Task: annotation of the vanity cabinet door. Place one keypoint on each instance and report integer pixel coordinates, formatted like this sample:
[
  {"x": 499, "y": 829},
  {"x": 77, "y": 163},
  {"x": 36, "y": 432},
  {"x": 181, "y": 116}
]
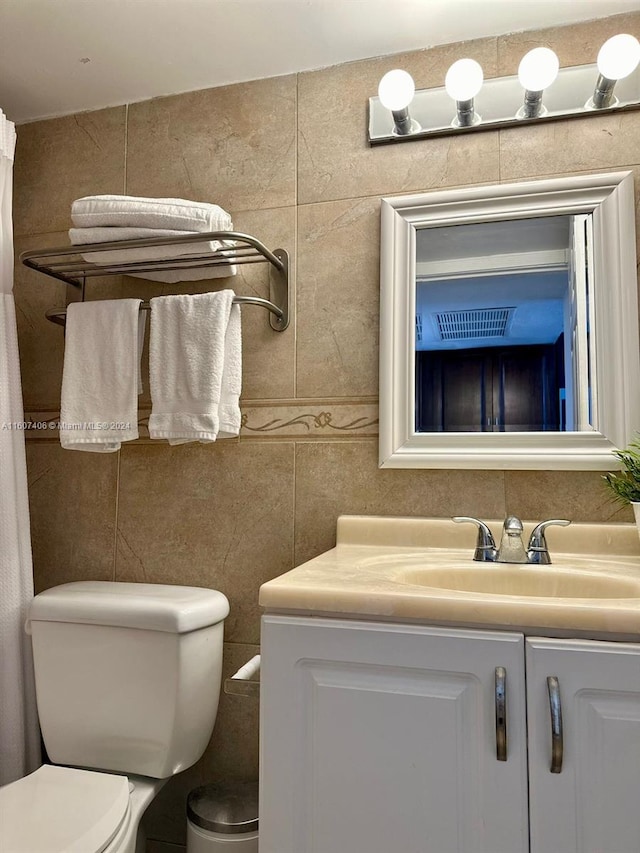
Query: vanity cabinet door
[
  {"x": 593, "y": 804},
  {"x": 382, "y": 737}
]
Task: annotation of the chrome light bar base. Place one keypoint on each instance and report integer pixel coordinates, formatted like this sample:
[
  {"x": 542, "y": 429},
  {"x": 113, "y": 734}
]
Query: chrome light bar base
[{"x": 577, "y": 92}]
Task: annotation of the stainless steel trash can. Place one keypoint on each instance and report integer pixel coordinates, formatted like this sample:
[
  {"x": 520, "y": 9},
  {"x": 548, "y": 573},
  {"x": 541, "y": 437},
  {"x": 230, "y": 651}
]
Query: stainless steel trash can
[{"x": 223, "y": 818}]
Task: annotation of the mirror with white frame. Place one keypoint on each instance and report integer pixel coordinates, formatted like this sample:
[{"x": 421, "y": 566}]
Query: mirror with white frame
[{"x": 509, "y": 326}]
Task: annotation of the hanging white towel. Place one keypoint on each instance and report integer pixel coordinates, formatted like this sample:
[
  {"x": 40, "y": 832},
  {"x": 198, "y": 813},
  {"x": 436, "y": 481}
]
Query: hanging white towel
[
  {"x": 231, "y": 378},
  {"x": 139, "y": 212},
  {"x": 101, "y": 377},
  {"x": 195, "y": 366}
]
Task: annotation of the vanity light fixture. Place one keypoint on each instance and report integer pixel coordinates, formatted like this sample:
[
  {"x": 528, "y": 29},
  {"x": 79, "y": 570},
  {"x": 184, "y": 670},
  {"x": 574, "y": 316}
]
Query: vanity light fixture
[{"x": 507, "y": 101}]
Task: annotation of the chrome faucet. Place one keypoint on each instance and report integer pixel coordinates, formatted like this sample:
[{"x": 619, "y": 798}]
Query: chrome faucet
[{"x": 512, "y": 548}]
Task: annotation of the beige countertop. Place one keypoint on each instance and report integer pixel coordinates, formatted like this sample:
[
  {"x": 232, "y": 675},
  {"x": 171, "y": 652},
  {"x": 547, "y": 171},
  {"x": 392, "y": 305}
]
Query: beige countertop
[{"x": 381, "y": 568}]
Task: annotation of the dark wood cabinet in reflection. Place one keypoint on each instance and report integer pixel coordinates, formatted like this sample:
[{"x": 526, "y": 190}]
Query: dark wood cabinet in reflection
[{"x": 490, "y": 389}]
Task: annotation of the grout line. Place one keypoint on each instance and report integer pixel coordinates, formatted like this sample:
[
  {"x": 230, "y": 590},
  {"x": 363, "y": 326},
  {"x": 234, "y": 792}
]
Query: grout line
[
  {"x": 296, "y": 142},
  {"x": 293, "y": 296},
  {"x": 117, "y": 509},
  {"x": 295, "y": 475},
  {"x": 126, "y": 146},
  {"x": 293, "y": 279}
]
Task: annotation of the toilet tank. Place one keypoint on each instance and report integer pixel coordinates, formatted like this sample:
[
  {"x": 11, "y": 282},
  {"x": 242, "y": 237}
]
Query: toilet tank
[{"x": 127, "y": 675}]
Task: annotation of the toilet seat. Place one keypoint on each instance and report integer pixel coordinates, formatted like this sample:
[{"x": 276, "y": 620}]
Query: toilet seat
[{"x": 62, "y": 810}]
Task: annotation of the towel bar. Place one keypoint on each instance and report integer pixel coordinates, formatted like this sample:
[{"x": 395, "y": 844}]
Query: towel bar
[
  {"x": 59, "y": 315},
  {"x": 65, "y": 264}
]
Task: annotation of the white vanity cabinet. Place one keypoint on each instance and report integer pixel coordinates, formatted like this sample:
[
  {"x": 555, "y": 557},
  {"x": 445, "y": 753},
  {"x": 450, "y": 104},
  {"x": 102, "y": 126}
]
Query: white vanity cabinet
[
  {"x": 379, "y": 738},
  {"x": 382, "y": 738},
  {"x": 593, "y": 804}
]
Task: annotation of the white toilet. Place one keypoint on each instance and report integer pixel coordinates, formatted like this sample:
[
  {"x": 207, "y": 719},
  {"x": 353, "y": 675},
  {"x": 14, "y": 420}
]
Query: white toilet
[{"x": 127, "y": 681}]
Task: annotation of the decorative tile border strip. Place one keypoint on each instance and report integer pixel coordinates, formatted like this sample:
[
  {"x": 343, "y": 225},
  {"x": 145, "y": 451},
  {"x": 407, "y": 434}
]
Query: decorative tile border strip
[
  {"x": 320, "y": 419},
  {"x": 273, "y": 419}
]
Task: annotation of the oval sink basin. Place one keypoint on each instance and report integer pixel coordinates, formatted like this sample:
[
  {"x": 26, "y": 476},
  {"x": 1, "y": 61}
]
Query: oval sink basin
[{"x": 539, "y": 582}]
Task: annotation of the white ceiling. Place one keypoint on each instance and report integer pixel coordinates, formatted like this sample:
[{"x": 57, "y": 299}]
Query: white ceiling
[
  {"x": 537, "y": 299},
  {"x": 536, "y": 295},
  {"x": 64, "y": 56},
  {"x": 514, "y": 236}
]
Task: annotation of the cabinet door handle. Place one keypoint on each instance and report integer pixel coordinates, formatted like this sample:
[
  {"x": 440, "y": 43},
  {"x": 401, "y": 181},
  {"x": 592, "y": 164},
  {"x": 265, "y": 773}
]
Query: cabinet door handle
[
  {"x": 555, "y": 707},
  {"x": 501, "y": 713}
]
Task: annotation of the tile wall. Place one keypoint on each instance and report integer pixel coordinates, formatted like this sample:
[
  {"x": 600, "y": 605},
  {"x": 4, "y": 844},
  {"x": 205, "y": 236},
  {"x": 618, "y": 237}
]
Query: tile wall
[{"x": 288, "y": 157}]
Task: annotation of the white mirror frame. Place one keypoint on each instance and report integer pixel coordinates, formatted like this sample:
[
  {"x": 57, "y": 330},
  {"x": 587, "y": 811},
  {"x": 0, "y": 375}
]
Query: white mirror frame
[{"x": 610, "y": 198}]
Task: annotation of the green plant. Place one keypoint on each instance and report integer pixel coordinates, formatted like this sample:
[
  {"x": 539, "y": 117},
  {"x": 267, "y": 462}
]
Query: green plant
[{"x": 625, "y": 485}]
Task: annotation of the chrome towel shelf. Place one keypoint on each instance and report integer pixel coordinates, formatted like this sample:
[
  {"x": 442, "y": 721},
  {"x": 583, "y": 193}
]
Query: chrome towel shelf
[{"x": 66, "y": 264}]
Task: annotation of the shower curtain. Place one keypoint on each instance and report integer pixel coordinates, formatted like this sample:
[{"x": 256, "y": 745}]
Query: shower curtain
[{"x": 19, "y": 737}]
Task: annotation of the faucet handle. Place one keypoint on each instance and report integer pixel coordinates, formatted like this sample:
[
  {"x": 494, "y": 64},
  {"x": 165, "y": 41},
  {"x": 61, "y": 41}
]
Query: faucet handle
[
  {"x": 486, "y": 550},
  {"x": 538, "y": 551}
]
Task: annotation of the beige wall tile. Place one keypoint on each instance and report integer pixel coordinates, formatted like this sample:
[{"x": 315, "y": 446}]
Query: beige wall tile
[
  {"x": 344, "y": 479},
  {"x": 268, "y": 357},
  {"x": 338, "y": 298},
  {"x": 72, "y": 499},
  {"x": 231, "y": 755},
  {"x": 335, "y": 160},
  {"x": 233, "y": 146},
  {"x": 576, "y": 495},
  {"x": 41, "y": 343},
  {"x": 216, "y": 516},
  {"x": 62, "y": 159},
  {"x": 577, "y": 44},
  {"x": 559, "y": 147}
]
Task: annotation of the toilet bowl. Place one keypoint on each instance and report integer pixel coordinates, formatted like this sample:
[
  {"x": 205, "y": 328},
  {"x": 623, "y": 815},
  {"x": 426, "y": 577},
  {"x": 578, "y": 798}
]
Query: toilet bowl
[
  {"x": 127, "y": 683},
  {"x": 75, "y": 811}
]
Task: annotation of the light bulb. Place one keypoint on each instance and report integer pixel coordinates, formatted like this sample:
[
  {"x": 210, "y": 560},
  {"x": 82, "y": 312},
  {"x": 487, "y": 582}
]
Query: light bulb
[
  {"x": 396, "y": 90},
  {"x": 464, "y": 80},
  {"x": 538, "y": 69},
  {"x": 619, "y": 56}
]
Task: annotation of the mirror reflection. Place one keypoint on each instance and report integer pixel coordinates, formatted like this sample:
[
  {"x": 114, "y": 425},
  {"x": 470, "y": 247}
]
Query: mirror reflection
[{"x": 503, "y": 326}]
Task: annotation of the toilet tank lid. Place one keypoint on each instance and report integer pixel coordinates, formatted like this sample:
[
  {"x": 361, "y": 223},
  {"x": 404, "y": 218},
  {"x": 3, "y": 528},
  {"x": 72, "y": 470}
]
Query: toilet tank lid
[{"x": 154, "y": 607}]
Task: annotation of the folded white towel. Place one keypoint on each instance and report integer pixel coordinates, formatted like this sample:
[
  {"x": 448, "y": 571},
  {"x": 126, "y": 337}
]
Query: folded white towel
[
  {"x": 108, "y": 234},
  {"x": 101, "y": 375},
  {"x": 195, "y": 274},
  {"x": 174, "y": 213},
  {"x": 195, "y": 366}
]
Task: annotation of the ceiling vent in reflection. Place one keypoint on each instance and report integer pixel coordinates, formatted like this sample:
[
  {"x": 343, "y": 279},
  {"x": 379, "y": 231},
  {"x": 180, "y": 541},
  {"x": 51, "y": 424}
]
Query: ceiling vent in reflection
[
  {"x": 418, "y": 327},
  {"x": 473, "y": 323}
]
